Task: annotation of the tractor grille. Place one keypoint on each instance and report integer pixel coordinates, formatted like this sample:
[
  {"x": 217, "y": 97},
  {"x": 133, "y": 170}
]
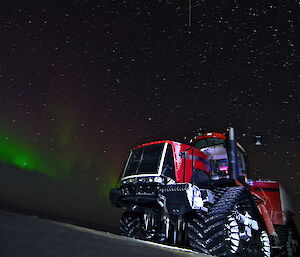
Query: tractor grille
[
  {"x": 140, "y": 190},
  {"x": 146, "y": 190},
  {"x": 174, "y": 188}
]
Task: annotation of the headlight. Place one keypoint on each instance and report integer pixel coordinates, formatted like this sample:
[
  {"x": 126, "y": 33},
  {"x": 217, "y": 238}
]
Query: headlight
[
  {"x": 158, "y": 180},
  {"x": 142, "y": 179},
  {"x": 130, "y": 180}
]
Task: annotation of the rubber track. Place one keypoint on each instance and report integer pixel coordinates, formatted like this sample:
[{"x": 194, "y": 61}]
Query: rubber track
[
  {"x": 129, "y": 224},
  {"x": 283, "y": 233},
  {"x": 206, "y": 233}
]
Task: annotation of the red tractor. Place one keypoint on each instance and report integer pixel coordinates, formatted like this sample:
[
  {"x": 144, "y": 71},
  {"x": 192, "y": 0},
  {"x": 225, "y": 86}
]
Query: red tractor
[{"x": 199, "y": 196}]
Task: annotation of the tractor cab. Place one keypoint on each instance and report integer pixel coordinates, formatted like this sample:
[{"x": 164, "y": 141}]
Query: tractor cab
[
  {"x": 215, "y": 146},
  {"x": 208, "y": 158},
  {"x": 166, "y": 162}
]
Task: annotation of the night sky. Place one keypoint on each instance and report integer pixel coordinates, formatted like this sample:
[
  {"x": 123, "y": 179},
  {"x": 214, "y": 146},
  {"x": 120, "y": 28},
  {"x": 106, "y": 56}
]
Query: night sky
[{"x": 84, "y": 81}]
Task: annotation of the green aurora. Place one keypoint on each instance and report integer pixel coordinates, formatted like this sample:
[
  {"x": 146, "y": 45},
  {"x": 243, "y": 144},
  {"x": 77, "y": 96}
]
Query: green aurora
[
  {"x": 26, "y": 155},
  {"x": 16, "y": 151}
]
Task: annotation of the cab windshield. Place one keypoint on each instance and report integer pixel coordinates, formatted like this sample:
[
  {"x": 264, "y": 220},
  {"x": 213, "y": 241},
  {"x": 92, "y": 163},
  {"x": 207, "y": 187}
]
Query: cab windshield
[
  {"x": 144, "y": 160},
  {"x": 207, "y": 142}
]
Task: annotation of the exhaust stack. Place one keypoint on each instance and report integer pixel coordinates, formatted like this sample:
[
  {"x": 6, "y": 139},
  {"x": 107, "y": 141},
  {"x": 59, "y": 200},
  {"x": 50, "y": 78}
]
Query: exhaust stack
[{"x": 232, "y": 154}]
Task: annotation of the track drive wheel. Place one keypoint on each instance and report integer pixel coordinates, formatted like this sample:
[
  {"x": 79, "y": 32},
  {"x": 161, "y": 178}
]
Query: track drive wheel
[
  {"x": 292, "y": 244},
  {"x": 230, "y": 228}
]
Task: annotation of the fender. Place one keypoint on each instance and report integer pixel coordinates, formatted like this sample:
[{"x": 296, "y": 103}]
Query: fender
[{"x": 261, "y": 205}]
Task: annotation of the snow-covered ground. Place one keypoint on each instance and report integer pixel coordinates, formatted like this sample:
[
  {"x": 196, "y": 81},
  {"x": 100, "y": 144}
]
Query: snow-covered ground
[{"x": 22, "y": 235}]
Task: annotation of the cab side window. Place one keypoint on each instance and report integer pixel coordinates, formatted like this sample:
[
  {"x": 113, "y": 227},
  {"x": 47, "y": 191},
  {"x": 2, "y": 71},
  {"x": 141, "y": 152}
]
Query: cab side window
[{"x": 168, "y": 167}]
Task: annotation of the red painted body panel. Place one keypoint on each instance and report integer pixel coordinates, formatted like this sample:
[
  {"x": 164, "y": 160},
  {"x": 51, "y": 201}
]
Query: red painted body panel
[
  {"x": 269, "y": 191},
  {"x": 209, "y": 135},
  {"x": 267, "y": 219},
  {"x": 184, "y": 155},
  {"x": 152, "y": 143}
]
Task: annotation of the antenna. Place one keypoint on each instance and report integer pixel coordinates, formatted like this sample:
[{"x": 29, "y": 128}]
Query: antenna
[
  {"x": 190, "y": 13},
  {"x": 258, "y": 140}
]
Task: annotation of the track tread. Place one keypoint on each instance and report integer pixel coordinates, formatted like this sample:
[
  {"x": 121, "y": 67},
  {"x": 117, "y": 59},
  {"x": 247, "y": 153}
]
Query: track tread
[
  {"x": 283, "y": 232},
  {"x": 207, "y": 230},
  {"x": 130, "y": 224}
]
